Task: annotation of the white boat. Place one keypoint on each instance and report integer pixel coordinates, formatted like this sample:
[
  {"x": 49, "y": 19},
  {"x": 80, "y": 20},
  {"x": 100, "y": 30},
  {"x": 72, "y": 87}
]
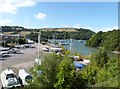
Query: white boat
[
  {"x": 9, "y": 79},
  {"x": 24, "y": 76},
  {"x": 55, "y": 49}
]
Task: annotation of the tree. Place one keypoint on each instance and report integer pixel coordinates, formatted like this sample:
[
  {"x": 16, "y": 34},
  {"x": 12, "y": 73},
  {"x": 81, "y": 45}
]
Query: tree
[
  {"x": 48, "y": 68},
  {"x": 56, "y": 72},
  {"x": 67, "y": 77},
  {"x": 101, "y": 57},
  {"x": 101, "y": 70}
]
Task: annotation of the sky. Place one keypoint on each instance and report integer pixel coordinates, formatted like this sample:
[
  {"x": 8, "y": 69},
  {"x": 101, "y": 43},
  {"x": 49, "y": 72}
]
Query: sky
[{"x": 97, "y": 16}]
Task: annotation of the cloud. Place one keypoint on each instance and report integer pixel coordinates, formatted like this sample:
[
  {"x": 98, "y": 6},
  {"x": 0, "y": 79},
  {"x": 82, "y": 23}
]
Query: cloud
[
  {"x": 11, "y": 6},
  {"x": 4, "y": 22},
  {"x": 77, "y": 26},
  {"x": 107, "y": 29},
  {"x": 41, "y": 16}
]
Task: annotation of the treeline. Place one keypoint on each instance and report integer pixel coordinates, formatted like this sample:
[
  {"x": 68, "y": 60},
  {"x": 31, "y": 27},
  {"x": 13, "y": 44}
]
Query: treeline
[
  {"x": 13, "y": 28},
  {"x": 109, "y": 40},
  {"x": 52, "y": 33},
  {"x": 80, "y": 35}
]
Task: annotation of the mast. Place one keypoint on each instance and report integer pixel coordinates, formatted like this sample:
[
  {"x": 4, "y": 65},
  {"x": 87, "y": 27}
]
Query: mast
[{"x": 70, "y": 44}]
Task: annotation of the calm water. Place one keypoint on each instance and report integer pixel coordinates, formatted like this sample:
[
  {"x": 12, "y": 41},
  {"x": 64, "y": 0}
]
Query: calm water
[{"x": 77, "y": 46}]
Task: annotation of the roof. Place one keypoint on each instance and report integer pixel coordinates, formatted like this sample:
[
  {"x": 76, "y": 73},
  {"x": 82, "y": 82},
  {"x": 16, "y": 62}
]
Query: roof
[
  {"x": 2, "y": 48},
  {"x": 14, "y": 35},
  {"x": 8, "y": 71}
]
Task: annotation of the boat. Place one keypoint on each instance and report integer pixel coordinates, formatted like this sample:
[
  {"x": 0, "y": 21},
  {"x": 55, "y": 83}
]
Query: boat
[
  {"x": 24, "y": 76},
  {"x": 64, "y": 43},
  {"x": 80, "y": 40},
  {"x": 9, "y": 79}
]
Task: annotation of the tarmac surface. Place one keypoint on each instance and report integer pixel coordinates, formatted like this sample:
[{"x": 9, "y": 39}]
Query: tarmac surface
[{"x": 24, "y": 59}]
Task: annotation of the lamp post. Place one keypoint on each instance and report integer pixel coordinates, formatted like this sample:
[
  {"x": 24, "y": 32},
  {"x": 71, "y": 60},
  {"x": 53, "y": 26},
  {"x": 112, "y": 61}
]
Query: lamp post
[
  {"x": 38, "y": 60},
  {"x": 39, "y": 34}
]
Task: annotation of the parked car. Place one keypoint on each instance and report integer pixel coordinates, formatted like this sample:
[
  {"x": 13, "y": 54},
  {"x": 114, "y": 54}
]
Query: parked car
[
  {"x": 14, "y": 50},
  {"x": 4, "y": 52},
  {"x": 45, "y": 49},
  {"x": 33, "y": 46},
  {"x": 27, "y": 45},
  {"x": 24, "y": 76},
  {"x": 9, "y": 79}
]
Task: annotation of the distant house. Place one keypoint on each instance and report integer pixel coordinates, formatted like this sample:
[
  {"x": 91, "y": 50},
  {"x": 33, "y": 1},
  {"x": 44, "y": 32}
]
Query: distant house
[{"x": 9, "y": 38}]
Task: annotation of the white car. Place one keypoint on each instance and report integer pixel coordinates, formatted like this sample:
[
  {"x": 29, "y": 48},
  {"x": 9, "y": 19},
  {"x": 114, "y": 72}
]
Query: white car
[
  {"x": 24, "y": 76},
  {"x": 14, "y": 50},
  {"x": 9, "y": 79},
  {"x": 45, "y": 49},
  {"x": 4, "y": 52}
]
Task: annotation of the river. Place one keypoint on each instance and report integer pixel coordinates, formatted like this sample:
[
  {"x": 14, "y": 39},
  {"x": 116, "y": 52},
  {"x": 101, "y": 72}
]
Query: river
[{"x": 77, "y": 46}]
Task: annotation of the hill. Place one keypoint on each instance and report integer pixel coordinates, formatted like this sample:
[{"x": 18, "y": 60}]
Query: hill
[
  {"x": 50, "y": 33},
  {"x": 109, "y": 40}
]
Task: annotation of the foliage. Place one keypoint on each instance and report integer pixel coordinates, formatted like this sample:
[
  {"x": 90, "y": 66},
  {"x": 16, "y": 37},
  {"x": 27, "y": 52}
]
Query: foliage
[
  {"x": 21, "y": 40},
  {"x": 56, "y": 72},
  {"x": 109, "y": 40},
  {"x": 67, "y": 78},
  {"x": 101, "y": 71}
]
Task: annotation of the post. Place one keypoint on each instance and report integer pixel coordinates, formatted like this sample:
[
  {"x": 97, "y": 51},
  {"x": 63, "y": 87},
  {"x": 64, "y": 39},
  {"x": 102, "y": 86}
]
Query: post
[
  {"x": 4, "y": 41},
  {"x": 39, "y": 34}
]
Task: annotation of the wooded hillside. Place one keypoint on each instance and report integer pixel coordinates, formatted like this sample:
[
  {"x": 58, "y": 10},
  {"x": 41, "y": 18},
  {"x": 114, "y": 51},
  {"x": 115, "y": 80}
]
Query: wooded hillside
[{"x": 109, "y": 40}]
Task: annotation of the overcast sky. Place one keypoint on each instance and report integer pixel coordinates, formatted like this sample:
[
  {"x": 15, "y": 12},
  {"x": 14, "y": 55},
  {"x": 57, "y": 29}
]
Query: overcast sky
[{"x": 97, "y": 16}]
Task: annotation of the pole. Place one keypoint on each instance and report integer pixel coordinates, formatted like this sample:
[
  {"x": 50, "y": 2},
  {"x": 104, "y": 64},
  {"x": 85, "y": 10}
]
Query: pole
[
  {"x": 70, "y": 44},
  {"x": 18, "y": 39},
  {"x": 4, "y": 41},
  {"x": 39, "y": 34}
]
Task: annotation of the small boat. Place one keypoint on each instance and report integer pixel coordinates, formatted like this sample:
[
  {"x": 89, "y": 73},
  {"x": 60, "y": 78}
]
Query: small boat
[
  {"x": 24, "y": 76},
  {"x": 64, "y": 43},
  {"x": 80, "y": 40}
]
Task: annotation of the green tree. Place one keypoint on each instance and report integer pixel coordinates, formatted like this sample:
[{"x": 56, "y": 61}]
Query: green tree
[
  {"x": 48, "y": 68},
  {"x": 67, "y": 77},
  {"x": 56, "y": 72},
  {"x": 101, "y": 57}
]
